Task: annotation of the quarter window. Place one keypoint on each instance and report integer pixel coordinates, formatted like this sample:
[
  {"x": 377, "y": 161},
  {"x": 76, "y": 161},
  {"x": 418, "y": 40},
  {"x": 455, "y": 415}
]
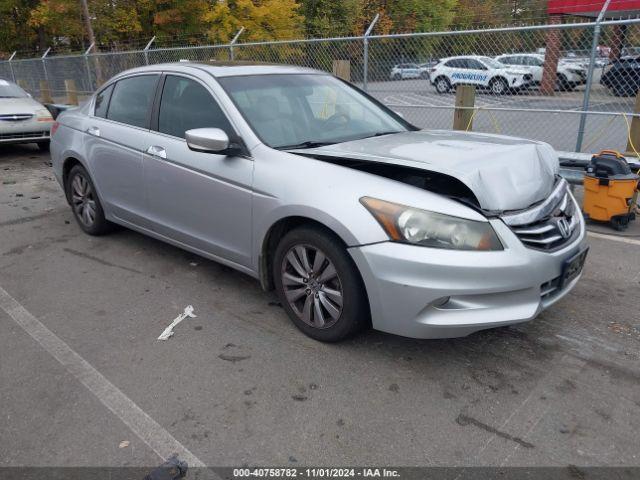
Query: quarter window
[
  {"x": 102, "y": 102},
  {"x": 186, "y": 105},
  {"x": 131, "y": 99}
]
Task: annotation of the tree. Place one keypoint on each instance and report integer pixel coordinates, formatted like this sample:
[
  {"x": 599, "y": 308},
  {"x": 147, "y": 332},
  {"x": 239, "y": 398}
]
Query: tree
[
  {"x": 331, "y": 18},
  {"x": 262, "y": 20}
]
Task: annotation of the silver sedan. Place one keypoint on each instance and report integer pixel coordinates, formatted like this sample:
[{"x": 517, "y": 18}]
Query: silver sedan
[
  {"x": 22, "y": 119},
  {"x": 306, "y": 183}
]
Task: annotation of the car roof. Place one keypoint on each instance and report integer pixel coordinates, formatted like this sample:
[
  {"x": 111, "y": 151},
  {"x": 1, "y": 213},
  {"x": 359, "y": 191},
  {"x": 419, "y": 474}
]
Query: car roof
[
  {"x": 223, "y": 69},
  {"x": 463, "y": 56}
]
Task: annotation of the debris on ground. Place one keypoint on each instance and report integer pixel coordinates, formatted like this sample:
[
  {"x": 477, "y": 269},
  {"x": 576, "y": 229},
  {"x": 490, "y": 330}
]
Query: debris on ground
[
  {"x": 168, "y": 332},
  {"x": 124, "y": 444},
  {"x": 172, "y": 469}
]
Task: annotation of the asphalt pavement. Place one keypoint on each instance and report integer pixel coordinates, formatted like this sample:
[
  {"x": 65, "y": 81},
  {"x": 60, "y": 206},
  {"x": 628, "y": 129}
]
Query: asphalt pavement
[{"x": 85, "y": 382}]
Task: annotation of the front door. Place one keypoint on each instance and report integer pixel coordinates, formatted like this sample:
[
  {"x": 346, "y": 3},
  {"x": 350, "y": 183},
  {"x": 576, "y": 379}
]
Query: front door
[{"x": 199, "y": 199}]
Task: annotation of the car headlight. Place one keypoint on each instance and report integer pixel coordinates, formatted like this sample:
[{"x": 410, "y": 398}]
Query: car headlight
[
  {"x": 43, "y": 115},
  {"x": 430, "y": 229}
]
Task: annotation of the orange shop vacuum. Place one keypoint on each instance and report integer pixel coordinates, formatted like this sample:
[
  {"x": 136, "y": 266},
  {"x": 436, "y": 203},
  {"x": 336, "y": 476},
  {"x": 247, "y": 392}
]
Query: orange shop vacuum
[{"x": 610, "y": 190}]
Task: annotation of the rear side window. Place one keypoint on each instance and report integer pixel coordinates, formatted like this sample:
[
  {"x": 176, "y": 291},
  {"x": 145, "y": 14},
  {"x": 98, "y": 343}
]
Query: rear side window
[
  {"x": 131, "y": 99},
  {"x": 186, "y": 105},
  {"x": 102, "y": 102}
]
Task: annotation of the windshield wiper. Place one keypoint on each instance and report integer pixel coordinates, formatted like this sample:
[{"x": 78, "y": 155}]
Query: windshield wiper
[{"x": 306, "y": 144}]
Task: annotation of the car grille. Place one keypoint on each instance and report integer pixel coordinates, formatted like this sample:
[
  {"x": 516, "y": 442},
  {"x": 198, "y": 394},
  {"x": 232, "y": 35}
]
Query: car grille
[
  {"x": 549, "y": 225},
  {"x": 17, "y": 136},
  {"x": 15, "y": 117},
  {"x": 527, "y": 77}
]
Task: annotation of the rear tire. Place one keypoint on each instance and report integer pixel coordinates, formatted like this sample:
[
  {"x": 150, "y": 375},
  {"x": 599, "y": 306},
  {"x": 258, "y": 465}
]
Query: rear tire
[
  {"x": 85, "y": 203},
  {"x": 319, "y": 285},
  {"x": 563, "y": 84},
  {"x": 442, "y": 85}
]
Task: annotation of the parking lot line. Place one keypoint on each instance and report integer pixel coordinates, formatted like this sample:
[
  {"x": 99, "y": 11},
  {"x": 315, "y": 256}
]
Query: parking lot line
[
  {"x": 615, "y": 238},
  {"x": 145, "y": 427}
]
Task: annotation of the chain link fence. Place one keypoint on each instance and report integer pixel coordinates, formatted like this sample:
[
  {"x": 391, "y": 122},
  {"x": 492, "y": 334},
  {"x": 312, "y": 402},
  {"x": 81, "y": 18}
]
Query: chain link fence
[{"x": 530, "y": 81}]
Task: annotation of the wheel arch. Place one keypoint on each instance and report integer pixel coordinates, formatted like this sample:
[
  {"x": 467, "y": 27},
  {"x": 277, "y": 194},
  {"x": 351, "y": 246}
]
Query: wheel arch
[
  {"x": 68, "y": 163},
  {"x": 274, "y": 234}
]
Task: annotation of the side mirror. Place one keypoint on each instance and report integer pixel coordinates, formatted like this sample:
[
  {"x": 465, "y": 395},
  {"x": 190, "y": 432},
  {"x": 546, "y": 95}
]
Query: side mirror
[{"x": 208, "y": 140}]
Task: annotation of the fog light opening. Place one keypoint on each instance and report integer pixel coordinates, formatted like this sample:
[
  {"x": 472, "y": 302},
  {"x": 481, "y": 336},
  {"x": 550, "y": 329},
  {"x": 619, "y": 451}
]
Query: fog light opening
[{"x": 440, "y": 302}]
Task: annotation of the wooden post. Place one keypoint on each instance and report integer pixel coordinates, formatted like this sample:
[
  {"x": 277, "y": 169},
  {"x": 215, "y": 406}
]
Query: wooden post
[
  {"x": 463, "y": 113},
  {"x": 342, "y": 69},
  {"x": 22, "y": 83},
  {"x": 634, "y": 134},
  {"x": 72, "y": 92},
  {"x": 45, "y": 92}
]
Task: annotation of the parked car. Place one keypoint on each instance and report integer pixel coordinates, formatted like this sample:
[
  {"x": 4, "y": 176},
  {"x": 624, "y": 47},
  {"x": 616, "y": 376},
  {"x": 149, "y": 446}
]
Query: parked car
[
  {"x": 22, "y": 119},
  {"x": 622, "y": 77},
  {"x": 404, "y": 71},
  {"x": 484, "y": 72},
  {"x": 351, "y": 213},
  {"x": 569, "y": 76}
]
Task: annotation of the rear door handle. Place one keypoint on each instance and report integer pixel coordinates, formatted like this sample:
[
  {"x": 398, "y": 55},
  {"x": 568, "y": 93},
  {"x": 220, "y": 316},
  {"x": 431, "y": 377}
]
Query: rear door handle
[
  {"x": 157, "y": 151},
  {"x": 95, "y": 131}
]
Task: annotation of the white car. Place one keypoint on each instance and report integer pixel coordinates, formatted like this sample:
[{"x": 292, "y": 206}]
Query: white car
[
  {"x": 570, "y": 75},
  {"x": 405, "y": 71},
  {"x": 477, "y": 70},
  {"x": 22, "y": 119}
]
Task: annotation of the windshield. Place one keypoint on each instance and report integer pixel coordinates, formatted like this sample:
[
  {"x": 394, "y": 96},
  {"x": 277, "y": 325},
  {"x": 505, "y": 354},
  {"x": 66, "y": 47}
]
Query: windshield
[
  {"x": 11, "y": 90},
  {"x": 307, "y": 110}
]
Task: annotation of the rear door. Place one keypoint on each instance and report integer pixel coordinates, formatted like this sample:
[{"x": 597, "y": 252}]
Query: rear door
[
  {"x": 475, "y": 73},
  {"x": 202, "y": 200},
  {"x": 114, "y": 140}
]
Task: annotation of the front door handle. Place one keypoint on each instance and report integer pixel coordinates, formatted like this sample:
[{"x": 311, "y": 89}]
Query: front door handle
[
  {"x": 95, "y": 131},
  {"x": 157, "y": 151}
]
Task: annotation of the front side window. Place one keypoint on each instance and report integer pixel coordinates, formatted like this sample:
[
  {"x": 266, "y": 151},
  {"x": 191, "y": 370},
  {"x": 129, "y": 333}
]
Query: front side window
[
  {"x": 185, "y": 105},
  {"x": 102, "y": 102},
  {"x": 131, "y": 99},
  {"x": 297, "y": 109}
]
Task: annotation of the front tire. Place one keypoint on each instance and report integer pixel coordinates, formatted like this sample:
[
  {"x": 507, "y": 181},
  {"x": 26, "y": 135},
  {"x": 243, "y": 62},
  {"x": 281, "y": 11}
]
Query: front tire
[
  {"x": 499, "y": 86},
  {"x": 319, "y": 286},
  {"x": 44, "y": 146},
  {"x": 85, "y": 203}
]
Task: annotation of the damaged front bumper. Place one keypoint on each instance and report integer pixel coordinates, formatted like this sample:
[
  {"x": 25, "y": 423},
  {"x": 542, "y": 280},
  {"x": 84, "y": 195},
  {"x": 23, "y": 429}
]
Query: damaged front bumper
[{"x": 422, "y": 292}]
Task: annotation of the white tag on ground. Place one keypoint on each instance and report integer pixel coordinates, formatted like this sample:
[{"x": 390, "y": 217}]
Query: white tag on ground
[{"x": 168, "y": 332}]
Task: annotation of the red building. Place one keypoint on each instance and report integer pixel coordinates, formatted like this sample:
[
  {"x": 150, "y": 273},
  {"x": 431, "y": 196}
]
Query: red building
[
  {"x": 591, "y": 8},
  {"x": 583, "y": 8}
]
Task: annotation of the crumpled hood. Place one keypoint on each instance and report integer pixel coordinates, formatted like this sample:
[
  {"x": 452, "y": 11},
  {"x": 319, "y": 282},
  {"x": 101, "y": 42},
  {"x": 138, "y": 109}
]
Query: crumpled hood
[
  {"x": 504, "y": 173},
  {"x": 19, "y": 105}
]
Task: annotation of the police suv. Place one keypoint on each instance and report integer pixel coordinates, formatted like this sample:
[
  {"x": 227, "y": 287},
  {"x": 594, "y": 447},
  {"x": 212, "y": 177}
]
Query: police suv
[{"x": 477, "y": 70}]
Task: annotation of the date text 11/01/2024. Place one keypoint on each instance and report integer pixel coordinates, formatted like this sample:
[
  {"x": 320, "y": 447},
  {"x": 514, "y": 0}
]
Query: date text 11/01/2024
[{"x": 315, "y": 473}]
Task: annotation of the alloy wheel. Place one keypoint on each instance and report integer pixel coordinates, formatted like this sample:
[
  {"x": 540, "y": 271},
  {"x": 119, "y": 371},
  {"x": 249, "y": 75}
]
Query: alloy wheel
[
  {"x": 312, "y": 286},
  {"x": 83, "y": 200}
]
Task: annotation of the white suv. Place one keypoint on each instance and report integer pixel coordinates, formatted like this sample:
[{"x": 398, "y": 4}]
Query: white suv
[
  {"x": 405, "y": 71},
  {"x": 570, "y": 75},
  {"x": 477, "y": 70}
]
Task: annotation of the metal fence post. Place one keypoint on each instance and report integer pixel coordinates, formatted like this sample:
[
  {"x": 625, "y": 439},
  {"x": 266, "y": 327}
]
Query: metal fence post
[
  {"x": 13, "y": 75},
  {"x": 146, "y": 50},
  {"x": 365, "y": 53},
  {"x": 233, "y": 42},
  {"x": 44, "y": 63},
  {"x": 88, "y": 68},
  {"x": 592, "y": 61}
]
